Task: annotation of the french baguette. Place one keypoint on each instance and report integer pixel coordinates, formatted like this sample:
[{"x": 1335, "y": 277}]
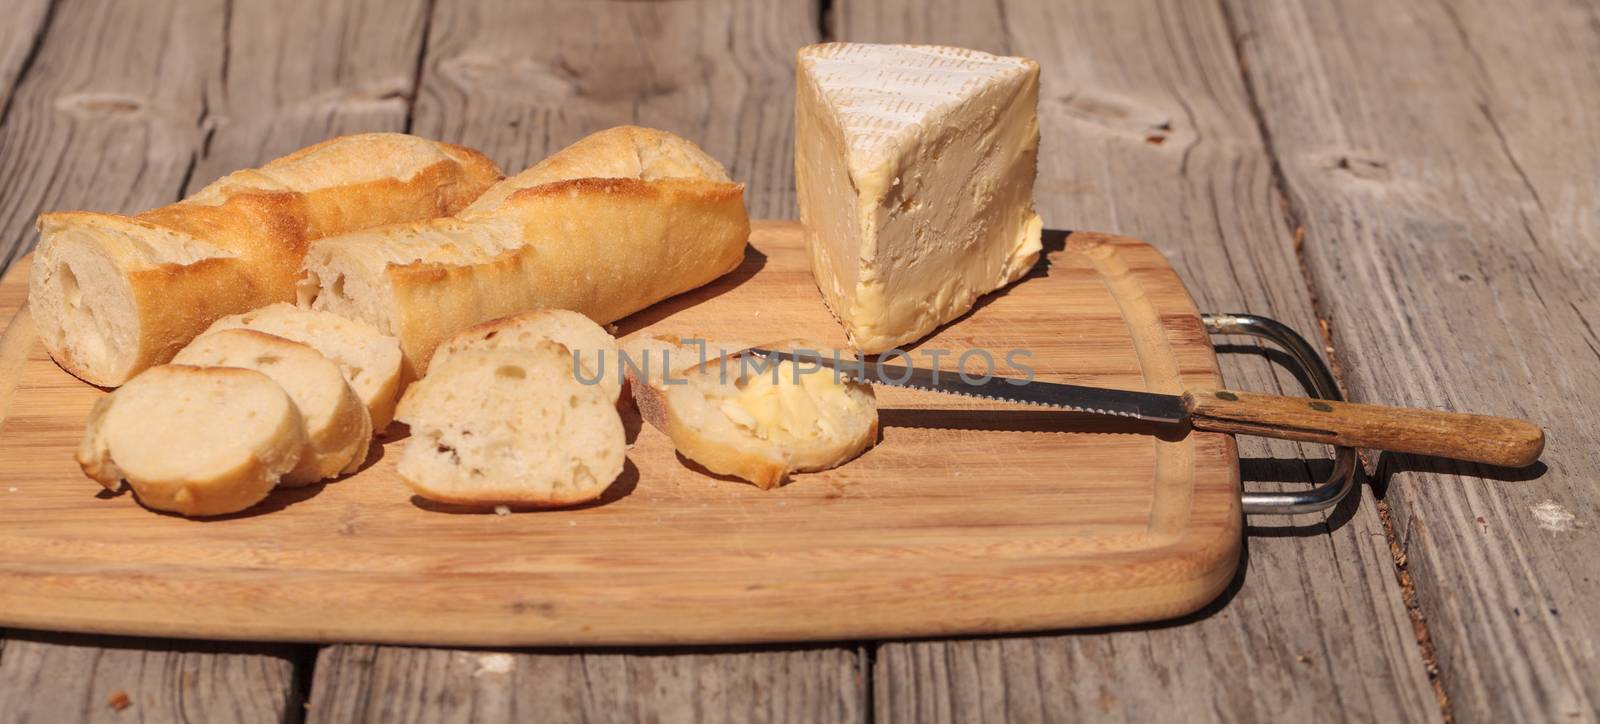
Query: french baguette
[
  {"x": 113, "y": 295},
  {"x": 610, "y": 225}
]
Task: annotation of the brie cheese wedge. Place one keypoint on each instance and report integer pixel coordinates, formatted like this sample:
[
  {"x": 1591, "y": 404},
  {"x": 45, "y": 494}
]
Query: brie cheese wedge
[{"x": 915, "y": 167}]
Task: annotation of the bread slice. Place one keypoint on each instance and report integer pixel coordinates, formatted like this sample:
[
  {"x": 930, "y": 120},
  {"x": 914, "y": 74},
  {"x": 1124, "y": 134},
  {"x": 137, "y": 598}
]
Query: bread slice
[
  {"x": 338, "y": 429},
  {"x": 614, "y": 223},
  {"x": 369, "y": 359},
  {"x": 191, "y": 440},
  {"x": 595, "y": 349},
  {"x": 739, "y": 415},
  {"x": 113, "y": 295},
  {"x": 512, "y": 427}
]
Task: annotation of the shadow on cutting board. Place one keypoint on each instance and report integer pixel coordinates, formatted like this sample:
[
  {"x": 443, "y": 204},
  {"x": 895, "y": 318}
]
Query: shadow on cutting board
[
  {"x": 620, "y": 488},
  {"x": 753, "y": 262},
  {"x": 277, "y": 500}
]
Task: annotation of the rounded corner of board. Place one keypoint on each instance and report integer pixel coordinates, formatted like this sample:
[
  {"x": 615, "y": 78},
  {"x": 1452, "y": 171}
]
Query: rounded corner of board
[{"x": 1216, "y": 577}]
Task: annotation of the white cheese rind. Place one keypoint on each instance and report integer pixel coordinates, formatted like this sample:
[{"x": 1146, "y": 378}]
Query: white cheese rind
[{"x": 915, "y": 169}]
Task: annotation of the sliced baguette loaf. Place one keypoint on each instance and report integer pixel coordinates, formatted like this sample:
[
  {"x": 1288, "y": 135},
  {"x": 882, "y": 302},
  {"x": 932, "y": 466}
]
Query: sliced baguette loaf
[
  {"x": 191, "y": 440},
  {"x": 595, "y": 349},
  {"x": 510, "y": 426},
  {"x": 739, "y": 415},
  {"x": 113, "y": 295},
  {"x": 338, "y": 429},
  {"x": 616, "y": 222},
  {"x": 369, "y": 359}
]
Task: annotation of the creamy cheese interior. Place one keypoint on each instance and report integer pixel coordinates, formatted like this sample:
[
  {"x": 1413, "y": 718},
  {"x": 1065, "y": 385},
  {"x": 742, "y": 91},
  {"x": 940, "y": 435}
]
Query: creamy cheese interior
[
  {"x": 783, "y": 403},
  {"x": 915, "y": 167}
]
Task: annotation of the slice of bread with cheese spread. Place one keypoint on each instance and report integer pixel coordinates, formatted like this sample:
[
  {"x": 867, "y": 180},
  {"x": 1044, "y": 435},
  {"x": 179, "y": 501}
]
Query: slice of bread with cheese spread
[{"x": 744, "y": 416}]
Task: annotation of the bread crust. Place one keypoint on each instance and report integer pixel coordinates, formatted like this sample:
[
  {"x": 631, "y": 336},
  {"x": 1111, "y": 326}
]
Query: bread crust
[
  {"x": 514, "y": 499},
  {"x": 233, "y": 246},
  {"x": 686, "y": 220},
  {"x": 601, "y": 246}
]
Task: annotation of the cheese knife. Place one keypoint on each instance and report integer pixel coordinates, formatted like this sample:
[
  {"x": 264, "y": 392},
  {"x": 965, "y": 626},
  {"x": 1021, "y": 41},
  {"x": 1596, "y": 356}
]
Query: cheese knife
[{"x": 1498, "y": 441}]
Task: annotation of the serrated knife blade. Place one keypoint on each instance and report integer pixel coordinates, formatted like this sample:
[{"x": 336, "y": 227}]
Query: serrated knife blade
[{"x": 1149, "y": 406}]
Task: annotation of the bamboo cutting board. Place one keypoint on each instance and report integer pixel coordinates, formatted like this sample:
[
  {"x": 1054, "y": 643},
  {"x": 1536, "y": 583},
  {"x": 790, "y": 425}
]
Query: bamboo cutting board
[{"x": 968, "y": 516}]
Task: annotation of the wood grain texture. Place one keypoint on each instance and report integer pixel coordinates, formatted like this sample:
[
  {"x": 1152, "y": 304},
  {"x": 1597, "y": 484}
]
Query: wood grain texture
[
  {"x": 130, "y": 106},
  {"x": 520, "y": 80},
  {"x": 388, "y": 684},
  {"x": 48, "y": 678},
  {"x": 1442, "y": 159},
  {"x": 1456, "y": 435},
  {"x": 105, "y": 117},
  {"x": 336, "y": 68},
  {"x": 1147, "y": 130},
  {"x": 19, "y": 39},
  {"x": 1144, "y": 524}
]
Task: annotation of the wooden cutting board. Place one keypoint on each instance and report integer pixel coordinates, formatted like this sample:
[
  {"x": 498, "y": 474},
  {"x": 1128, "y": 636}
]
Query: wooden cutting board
[{"x": 967, "y": 517}]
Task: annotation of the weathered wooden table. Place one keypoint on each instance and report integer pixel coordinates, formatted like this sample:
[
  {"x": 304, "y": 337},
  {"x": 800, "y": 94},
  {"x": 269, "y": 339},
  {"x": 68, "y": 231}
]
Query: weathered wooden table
[{"x": 1418, "y": 181}]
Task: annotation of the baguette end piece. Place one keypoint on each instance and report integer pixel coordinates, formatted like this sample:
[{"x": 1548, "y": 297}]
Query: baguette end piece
[
  {"x": 92, "y": 287},
  {"x": 114, "y": 295}
]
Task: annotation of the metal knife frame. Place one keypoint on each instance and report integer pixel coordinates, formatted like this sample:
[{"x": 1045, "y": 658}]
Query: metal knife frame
[{"x": 1343, "y": 478}]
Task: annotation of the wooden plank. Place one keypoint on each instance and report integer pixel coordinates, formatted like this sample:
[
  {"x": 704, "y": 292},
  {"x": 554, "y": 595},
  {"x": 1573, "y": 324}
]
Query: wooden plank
[
  {"x": 1443, "y": 158},
  {"x": 431, "y": 685},
  {"x": 102, "y": 116},
  {"x": 1147, "y": 130},
  {"x": 19, "y": 41},
  {"x": 519, "y": 81},
  {"x": 57, "y": 677},
  {"x": 128, "y": 107},
  {"x": 335, "y": 68}
]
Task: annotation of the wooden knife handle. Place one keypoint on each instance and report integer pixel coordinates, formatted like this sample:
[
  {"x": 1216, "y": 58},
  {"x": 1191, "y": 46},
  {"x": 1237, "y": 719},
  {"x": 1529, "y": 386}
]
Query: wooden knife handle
[{"x": 1493, "y": 440}]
